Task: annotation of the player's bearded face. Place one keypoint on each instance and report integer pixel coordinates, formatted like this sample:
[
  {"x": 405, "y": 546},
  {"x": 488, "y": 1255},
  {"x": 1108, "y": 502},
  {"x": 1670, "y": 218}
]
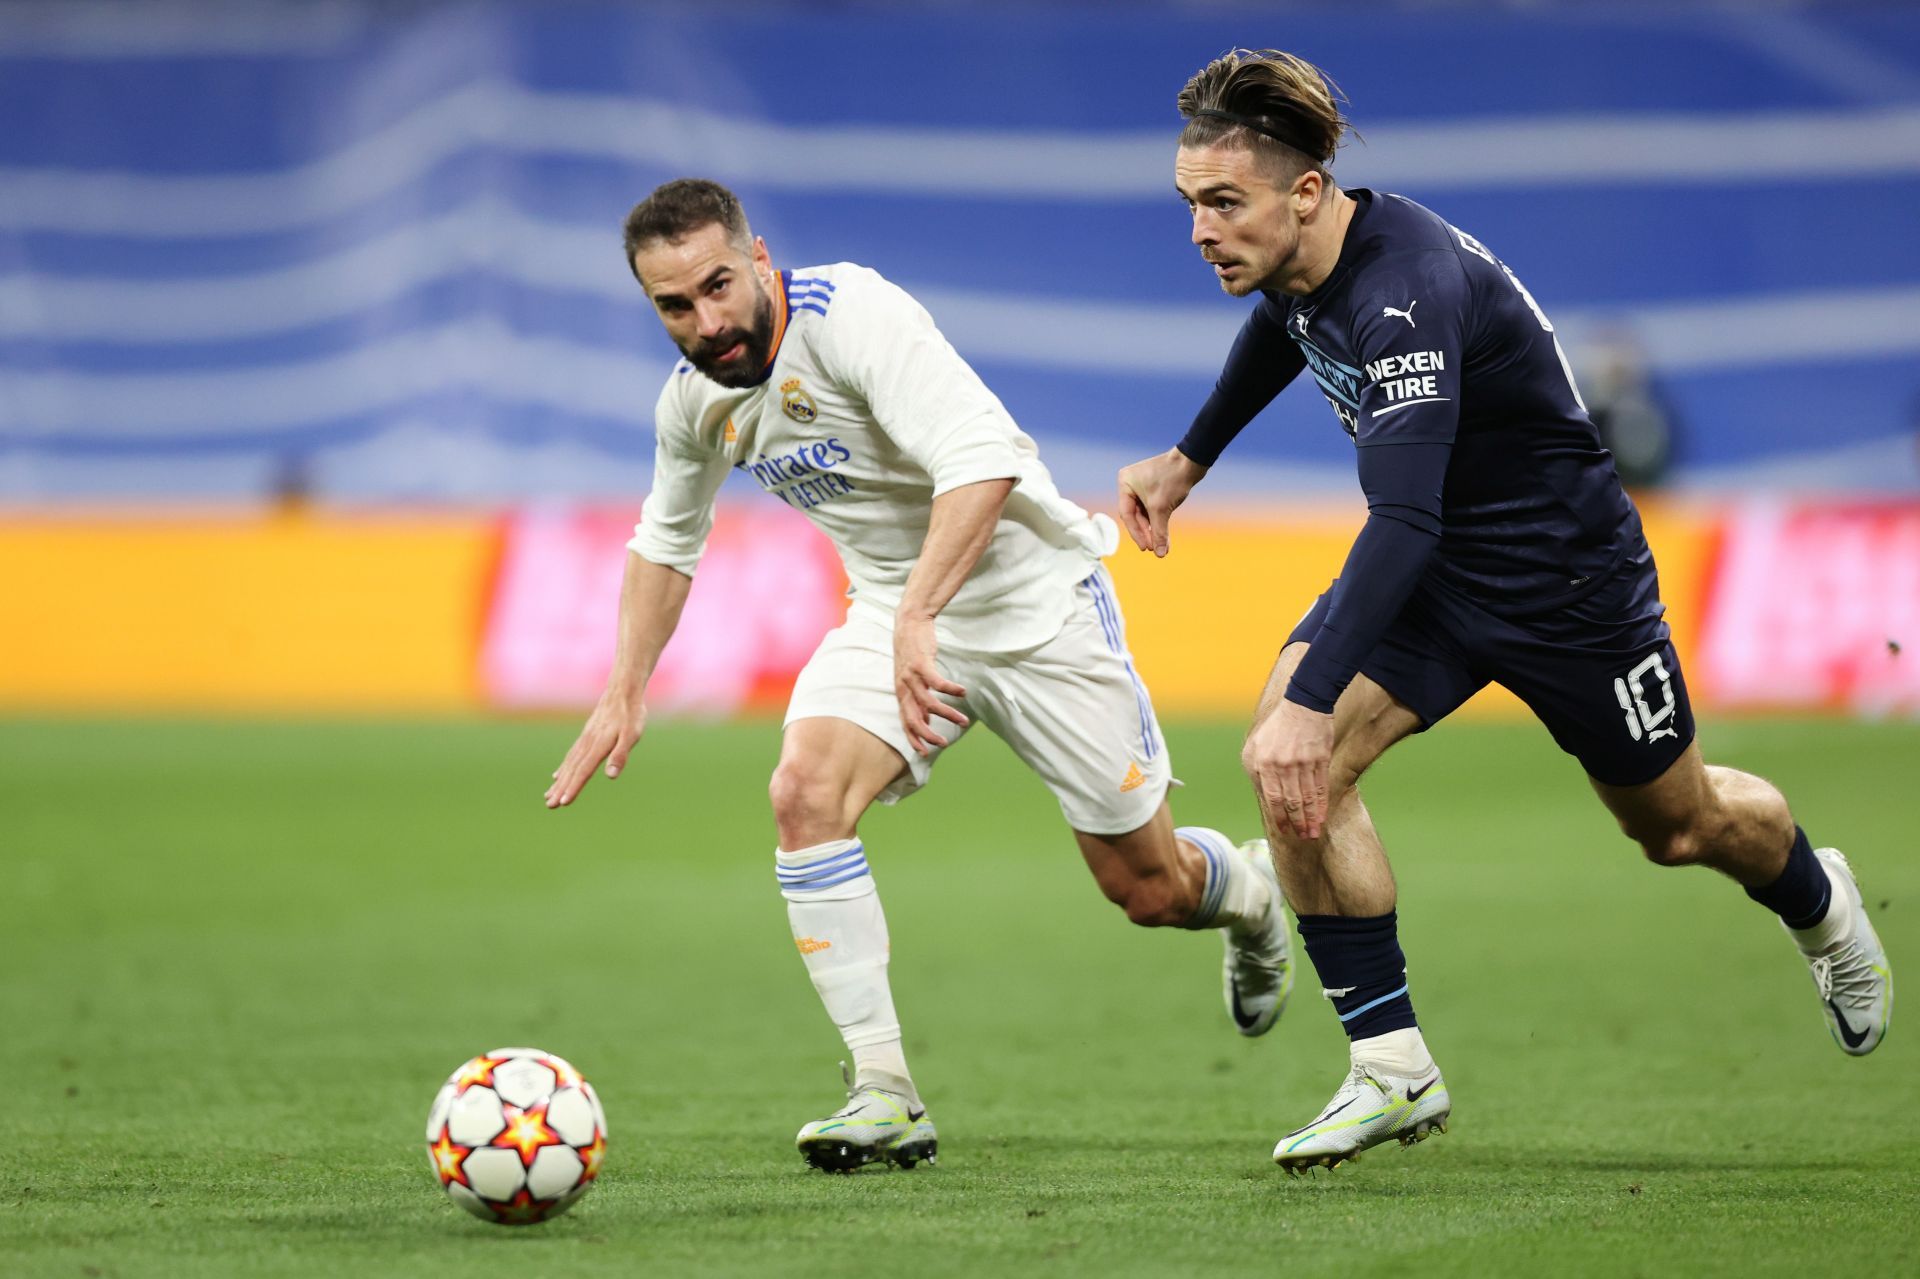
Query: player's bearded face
[
  {"x": 711, "y": 296},
  {"x": 717, "y": 356}
]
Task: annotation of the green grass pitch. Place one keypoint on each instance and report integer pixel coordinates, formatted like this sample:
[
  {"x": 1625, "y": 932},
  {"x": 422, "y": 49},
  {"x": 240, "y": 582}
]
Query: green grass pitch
[{"x": 236, "y": 960}]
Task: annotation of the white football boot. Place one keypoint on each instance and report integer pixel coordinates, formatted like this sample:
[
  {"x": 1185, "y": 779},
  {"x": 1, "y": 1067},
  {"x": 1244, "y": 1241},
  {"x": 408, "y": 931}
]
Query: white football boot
[
  {"x": 874, "y": 1125},
  {"x": 1257, "y": 975},
  {"x": 1851, "y": 972},
  {"x": 1371, "y": 1107}
]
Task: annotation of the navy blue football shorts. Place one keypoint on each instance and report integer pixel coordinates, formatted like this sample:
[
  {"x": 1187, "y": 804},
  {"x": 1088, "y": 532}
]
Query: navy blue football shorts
[{"x": 1601, "y": 673}]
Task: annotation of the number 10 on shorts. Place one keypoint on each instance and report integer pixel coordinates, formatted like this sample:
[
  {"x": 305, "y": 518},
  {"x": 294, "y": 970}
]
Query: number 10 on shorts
[{"x": 1631, "y": 690}]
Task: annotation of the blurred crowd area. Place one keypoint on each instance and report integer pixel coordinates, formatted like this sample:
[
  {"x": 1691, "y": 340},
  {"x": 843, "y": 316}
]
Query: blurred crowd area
[
  {"x": 368, "y": 252},
  {"x": 323, "y": 385}
]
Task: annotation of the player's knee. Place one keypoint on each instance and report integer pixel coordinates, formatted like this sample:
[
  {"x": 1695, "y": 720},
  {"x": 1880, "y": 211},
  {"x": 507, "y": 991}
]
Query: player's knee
[
  {"x": 1149, "y": 900},
  {"x": 1685, "y": 843},
  {"x": 807, "y": 803},
  {"x": 1671, "y": 848},
  {"x": 1340, "y": 775},
  {"x": 1679, "y": 845},
  {"x": 1153, "y": 903}
]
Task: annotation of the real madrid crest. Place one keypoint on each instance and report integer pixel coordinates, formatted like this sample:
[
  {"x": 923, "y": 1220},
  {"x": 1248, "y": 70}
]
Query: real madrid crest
[{"x": 796, "y": 403}]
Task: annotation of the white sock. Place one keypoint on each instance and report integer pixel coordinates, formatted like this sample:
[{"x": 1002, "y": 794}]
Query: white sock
[
  {"x": 1834, "y": 926},
  {"x": 1401, "y": 1053},
  {"x": 1234, "y": 896},
  {"x": 841, "y": 931}
]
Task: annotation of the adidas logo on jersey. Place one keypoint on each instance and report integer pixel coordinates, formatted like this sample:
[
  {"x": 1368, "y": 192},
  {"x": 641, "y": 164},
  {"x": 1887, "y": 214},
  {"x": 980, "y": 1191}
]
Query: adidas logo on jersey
[
  {"x": 1134, "y": 778},
  {"x": 731, "y": 434}
]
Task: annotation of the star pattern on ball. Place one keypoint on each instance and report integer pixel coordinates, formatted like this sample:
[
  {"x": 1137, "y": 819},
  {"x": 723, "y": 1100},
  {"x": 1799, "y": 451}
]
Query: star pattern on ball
[
  {"x": 523, "y": 1209},
  {"x": 449, "y": 1160},
  {"x": 591, "y": 1155},
  {"x": 565, "y": 1076},
  {"x": 478, "y": 1071},
  {"x": 526, "y": 1131}
]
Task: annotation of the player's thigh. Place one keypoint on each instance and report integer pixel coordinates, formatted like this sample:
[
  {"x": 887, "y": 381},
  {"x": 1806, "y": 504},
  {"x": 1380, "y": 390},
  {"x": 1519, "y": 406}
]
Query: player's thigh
[
  {"x": 1077, "y": 713},
  {"x": 838, "y": 757},
  {"x": 1366, "y": 720},
  {"x": 1602, "y": 674},
  {"x": 1415, "y": 676},
  {"x": 1625, "y": 715},
  {"x": 849, "y": 681}
]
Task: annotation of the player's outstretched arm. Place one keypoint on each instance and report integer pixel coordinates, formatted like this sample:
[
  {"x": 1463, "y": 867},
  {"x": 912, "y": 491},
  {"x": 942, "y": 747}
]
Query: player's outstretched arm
[
  {"x": 1260, "y": 365},
  {"x": 651, "y": 597},
  {"x": 1150, "y": 491}
]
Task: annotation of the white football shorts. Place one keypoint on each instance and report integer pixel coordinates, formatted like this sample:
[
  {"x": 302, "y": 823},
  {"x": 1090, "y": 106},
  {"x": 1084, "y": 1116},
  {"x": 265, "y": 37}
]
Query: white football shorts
[{"x": 1072, "y": 709}]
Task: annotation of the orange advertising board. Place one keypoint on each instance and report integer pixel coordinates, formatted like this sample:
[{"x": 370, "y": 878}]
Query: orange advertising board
[
  {"x": 291, "y": 612},
  {"x": 1807, "y": 606}
]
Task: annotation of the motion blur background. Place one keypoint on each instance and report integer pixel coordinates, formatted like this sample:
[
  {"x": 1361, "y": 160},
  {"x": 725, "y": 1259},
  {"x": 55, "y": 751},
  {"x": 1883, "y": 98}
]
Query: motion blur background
[{"x": 323, "y": 385}]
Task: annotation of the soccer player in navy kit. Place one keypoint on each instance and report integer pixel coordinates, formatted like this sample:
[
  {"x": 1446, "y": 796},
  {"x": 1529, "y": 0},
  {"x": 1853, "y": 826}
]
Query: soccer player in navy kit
[{"x": 1499, "y": 547}]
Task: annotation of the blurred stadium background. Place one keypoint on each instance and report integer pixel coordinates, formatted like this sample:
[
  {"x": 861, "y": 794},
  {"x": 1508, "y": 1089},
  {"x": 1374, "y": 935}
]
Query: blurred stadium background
[
  {"x": 324, "y": 412},
  {"x": 323, "y": 386}
]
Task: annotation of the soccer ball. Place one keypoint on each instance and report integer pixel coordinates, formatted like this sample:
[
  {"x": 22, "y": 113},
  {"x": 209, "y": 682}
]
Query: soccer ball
[{"x": 516, "y": 1136}]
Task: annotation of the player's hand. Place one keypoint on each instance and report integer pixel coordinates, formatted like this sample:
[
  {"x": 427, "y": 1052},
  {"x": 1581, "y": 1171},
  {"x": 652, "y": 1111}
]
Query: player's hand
[
  {"x": 1149, "y": 492},
  {"x": 1288, "y": 755},
  {"x": 917, "y": 683},
  {"x": 615, "y": 725}
]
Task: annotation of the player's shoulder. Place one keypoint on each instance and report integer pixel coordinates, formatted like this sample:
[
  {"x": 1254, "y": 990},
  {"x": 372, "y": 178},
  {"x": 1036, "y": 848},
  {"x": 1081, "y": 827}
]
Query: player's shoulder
[
  {"x": 1408, "y": 251},
  {"x": 1407, "y": 223},
  {"x": 1397, "y": 234},
  {"x": 842, "y": 307},
  {"x": 686, "y": 400},
  {"x": 814, "y": 290},
  {"x": 682, "y": 382}
]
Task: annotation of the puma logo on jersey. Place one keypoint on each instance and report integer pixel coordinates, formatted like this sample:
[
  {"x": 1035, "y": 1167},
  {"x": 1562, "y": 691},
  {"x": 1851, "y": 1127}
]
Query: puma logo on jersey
[
  {"x": 1300, "y": 322},
  {"x": 812, "y": 945},
  {"x": 1406, "y": 315},
  {"x": 1134, "y": 778}
]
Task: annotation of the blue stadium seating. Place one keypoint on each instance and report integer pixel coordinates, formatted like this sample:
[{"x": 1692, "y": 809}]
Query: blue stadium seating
[{"x": 372, "y": 251}]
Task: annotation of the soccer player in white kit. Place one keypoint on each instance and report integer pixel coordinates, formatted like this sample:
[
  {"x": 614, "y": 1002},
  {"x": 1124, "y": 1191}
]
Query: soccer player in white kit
[{"x": 978, "y": 593}]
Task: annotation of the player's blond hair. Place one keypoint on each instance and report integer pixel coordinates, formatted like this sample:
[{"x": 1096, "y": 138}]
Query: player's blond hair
[{"x": 1286, "y": 110}]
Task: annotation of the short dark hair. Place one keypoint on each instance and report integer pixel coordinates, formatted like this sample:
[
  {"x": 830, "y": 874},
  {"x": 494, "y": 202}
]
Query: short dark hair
[
  {"x": 678, "y": 209},
  {"x": 1282, "y": 93}
]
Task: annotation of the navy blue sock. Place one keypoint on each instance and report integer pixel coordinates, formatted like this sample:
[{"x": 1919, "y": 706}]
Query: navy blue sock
[
  {"x": 1361, "y": 959},
  {"x": 1801, "y": 894}
]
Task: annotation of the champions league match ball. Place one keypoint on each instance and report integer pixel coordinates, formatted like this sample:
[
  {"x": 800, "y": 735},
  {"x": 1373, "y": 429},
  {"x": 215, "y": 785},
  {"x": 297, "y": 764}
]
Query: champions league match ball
[{"x": 516, "y": 1136}]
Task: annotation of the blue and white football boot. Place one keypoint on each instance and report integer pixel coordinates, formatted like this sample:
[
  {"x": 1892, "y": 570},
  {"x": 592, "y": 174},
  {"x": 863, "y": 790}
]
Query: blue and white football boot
[
  {"x": 1257, "y": 974},
  {"x": 1851, "y": 971}
]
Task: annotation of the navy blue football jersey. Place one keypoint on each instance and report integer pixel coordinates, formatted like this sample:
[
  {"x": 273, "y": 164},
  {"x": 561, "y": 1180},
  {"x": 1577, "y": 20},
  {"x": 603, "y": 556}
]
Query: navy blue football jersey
[{"x": 1421, "y": 336}]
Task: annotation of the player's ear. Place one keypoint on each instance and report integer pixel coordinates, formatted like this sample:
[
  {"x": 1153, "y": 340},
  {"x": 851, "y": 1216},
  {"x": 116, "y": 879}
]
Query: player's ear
[
  {"x": 1307, "y": 190},
  {"x": 762, "y": 260}
]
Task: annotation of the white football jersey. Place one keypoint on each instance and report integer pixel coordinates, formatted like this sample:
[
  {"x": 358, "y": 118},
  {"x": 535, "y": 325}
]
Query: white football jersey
[{"x": 866, "y": 415}]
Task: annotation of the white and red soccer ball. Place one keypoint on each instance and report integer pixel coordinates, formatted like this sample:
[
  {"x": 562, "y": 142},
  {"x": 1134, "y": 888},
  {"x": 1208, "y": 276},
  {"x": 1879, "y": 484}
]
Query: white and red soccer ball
[{"x": 516, "y": 1136}]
